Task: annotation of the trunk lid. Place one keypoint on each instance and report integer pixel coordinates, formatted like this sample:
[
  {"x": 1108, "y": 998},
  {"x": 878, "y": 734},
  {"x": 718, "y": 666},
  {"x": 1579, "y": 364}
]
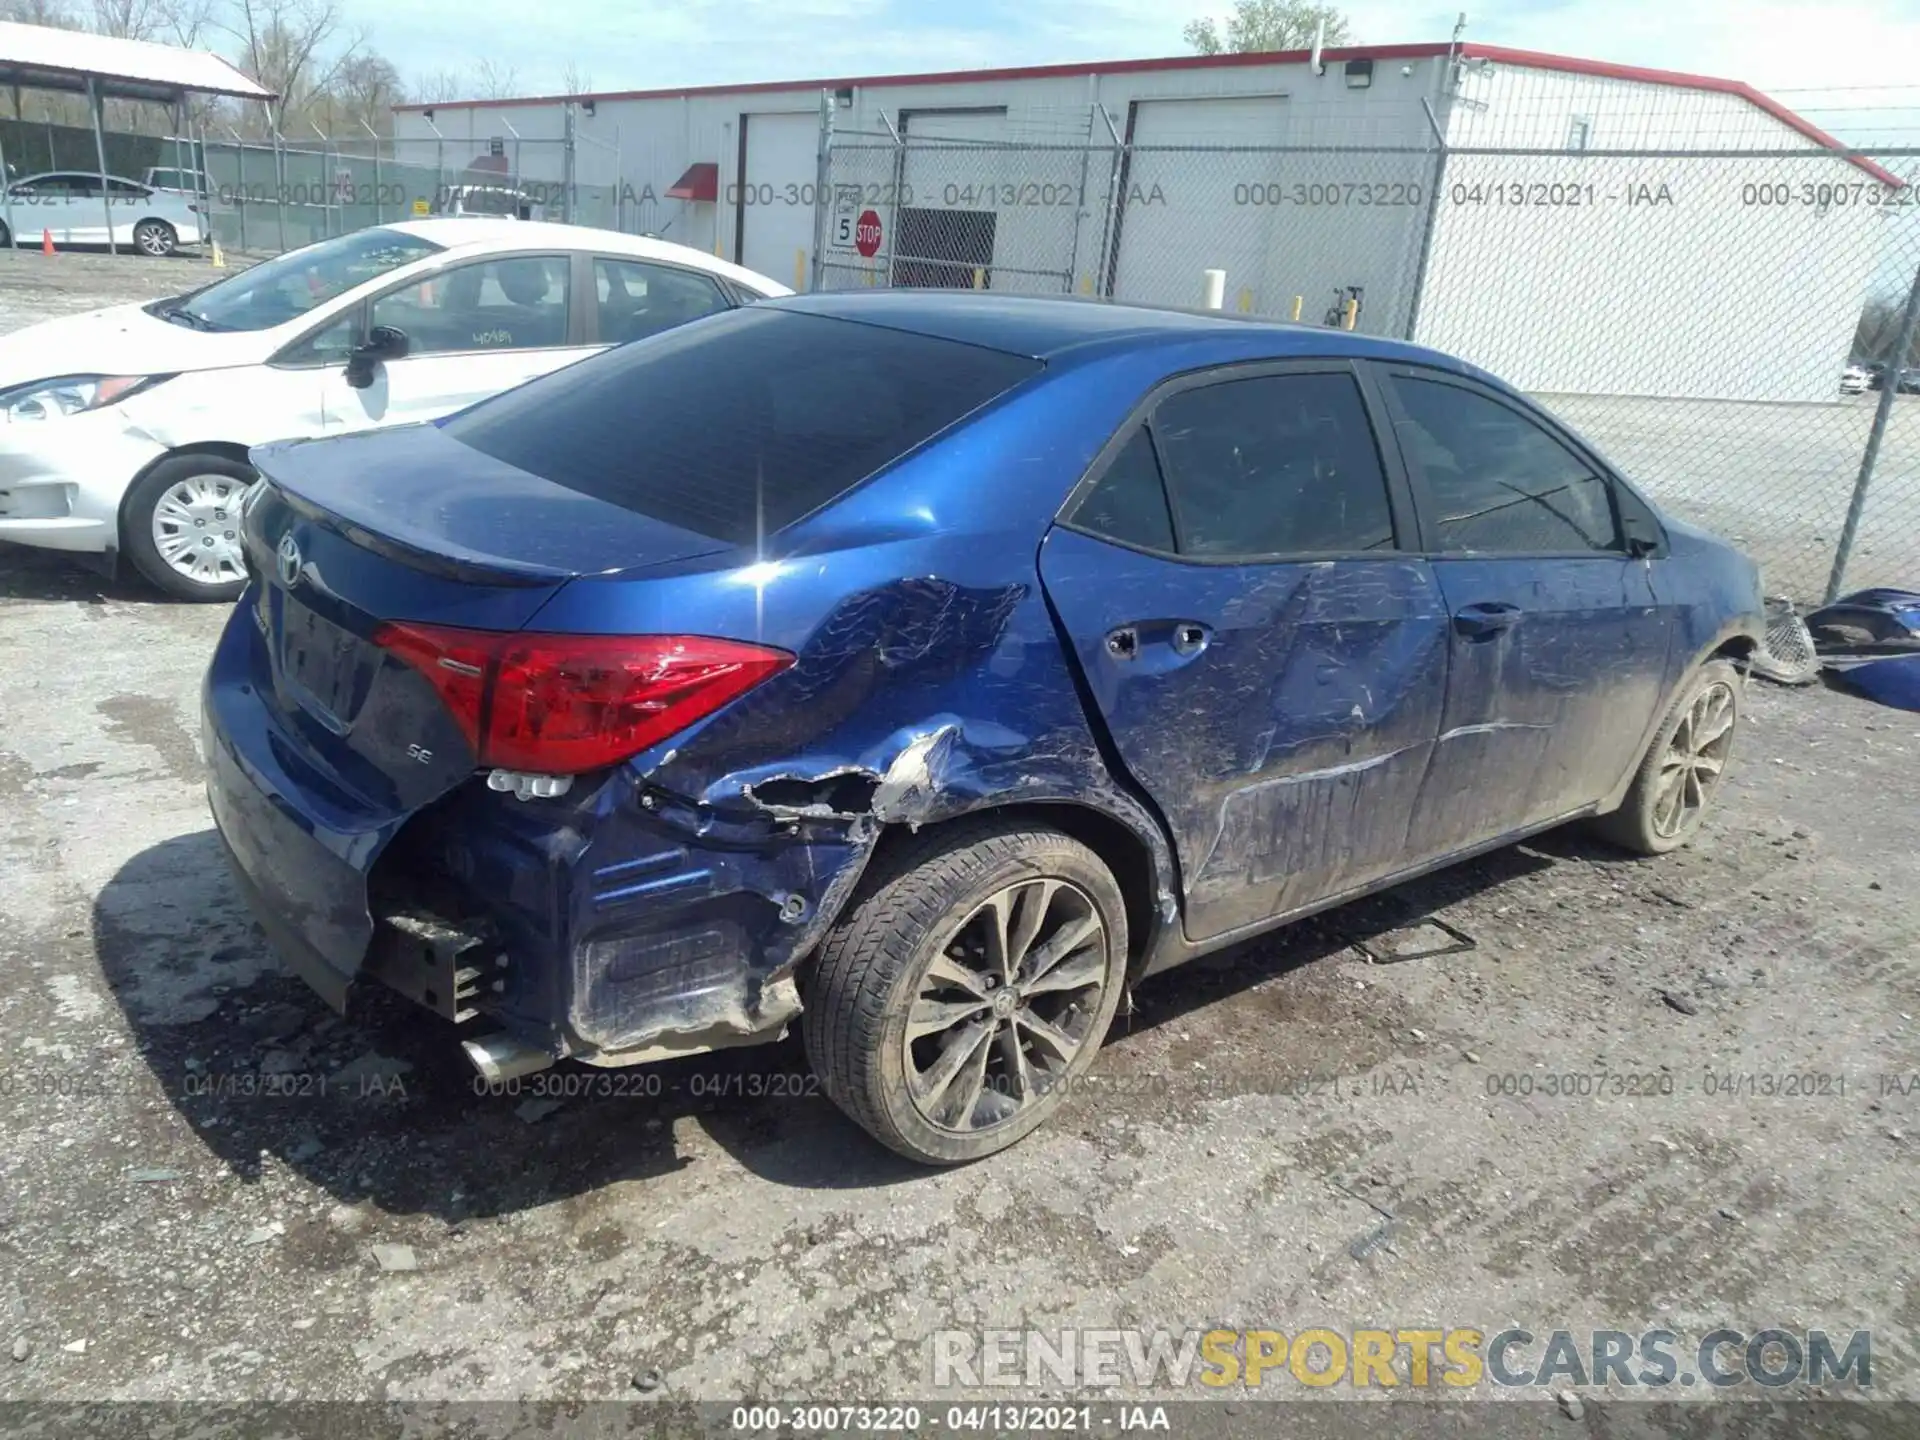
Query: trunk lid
[
  {"x": 352, "y": 533},
  {"x": 442, "y": 507},
  {"x": 323, "y": 742}
]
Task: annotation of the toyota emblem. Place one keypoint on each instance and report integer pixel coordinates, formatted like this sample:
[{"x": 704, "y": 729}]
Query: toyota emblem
[{"x": 287, "y": 561}]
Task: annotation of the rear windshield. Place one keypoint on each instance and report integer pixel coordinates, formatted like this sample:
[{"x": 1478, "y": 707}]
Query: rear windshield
[{"x": 739, "y": 425}]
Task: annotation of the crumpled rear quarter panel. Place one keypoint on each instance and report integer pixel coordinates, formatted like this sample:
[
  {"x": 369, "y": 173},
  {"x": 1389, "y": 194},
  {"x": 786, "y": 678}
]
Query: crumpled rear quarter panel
[{"x": 667, "y": 907}]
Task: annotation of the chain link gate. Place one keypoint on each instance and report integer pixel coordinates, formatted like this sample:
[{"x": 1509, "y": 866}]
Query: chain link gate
[{"x": 1691, "y": 311}]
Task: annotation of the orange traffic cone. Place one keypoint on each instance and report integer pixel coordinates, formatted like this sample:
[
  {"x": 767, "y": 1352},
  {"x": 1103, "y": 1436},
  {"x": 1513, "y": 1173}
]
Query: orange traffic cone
[{"x": 46, "y": 242}]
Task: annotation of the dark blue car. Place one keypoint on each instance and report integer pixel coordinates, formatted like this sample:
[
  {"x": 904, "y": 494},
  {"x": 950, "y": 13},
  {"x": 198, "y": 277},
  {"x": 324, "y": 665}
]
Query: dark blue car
[{"x": 939, "y": 665}]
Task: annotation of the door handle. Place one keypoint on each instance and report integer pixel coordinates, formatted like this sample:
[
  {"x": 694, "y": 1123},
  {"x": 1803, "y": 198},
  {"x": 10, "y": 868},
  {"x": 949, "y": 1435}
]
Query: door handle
[{"x": 1488, "y": 619}]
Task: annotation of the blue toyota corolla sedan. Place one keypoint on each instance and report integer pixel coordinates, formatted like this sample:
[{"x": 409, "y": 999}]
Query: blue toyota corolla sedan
[{"x": 935, "y": 665}]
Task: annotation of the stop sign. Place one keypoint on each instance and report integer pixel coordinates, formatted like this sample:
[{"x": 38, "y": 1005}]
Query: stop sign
[{"x": 866, "y": 234}]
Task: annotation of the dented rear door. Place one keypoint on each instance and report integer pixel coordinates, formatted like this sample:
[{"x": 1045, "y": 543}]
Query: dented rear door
[{"x": 1279, "y": 708}]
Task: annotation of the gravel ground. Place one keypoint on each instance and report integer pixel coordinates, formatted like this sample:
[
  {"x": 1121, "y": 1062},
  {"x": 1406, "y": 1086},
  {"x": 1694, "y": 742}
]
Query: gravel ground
[
  {"x": 1283, "y": 1136},
  {"x": 34, "y": 287}
]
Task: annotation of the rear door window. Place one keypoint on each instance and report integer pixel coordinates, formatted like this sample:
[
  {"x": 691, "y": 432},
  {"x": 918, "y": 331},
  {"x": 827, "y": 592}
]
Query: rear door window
[
  {"x": 740, "y": 424},
  {"x": 636, "y": 299},
  {"x": 1129, "y": 502},
  {"x": 1274, "y": 465}
]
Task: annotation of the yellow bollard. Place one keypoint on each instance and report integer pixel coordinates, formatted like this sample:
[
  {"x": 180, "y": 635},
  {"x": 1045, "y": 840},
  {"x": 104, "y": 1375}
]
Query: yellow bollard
[
  {"x": 1352, "y": 309},
  {"x": 979, "y": 278},
  {"x": 800, "y": 269},
  {"x": 219, "y": 256},
  {"x": 1246, "y": 302},
  {"x": 1296, "y": 308},
  {"x": 1086, "y": 284}
]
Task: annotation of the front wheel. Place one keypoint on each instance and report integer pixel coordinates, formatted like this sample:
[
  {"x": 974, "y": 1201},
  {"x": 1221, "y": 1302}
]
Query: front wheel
[
  {"x": 155, "y": 237},
  {"x": 1681, "y": 773},
  {"x": 181, "y": 526},
  {"x": 968, "y": 987}
]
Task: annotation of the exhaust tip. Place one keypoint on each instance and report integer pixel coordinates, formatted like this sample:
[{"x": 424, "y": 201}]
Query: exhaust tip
[{"x": 501, "y": 1057}]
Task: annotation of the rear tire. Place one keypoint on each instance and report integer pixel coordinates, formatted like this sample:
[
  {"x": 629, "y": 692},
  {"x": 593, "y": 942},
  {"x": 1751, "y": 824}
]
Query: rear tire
[
  {"x": 930, "y": 942},
  {"x": 6, "y": 236},
  {"x": 156, "y": 238},
  {"x": 180, "y": 526},
  {"x": 1681, "y": 772}
]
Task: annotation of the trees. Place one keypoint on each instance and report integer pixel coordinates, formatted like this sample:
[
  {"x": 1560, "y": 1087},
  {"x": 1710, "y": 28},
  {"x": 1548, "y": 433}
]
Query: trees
[
  {"x": 1269, "y": 25},
  {"x": 322, "y": 68},
  {"x": 1878, "y": 334},
  {"x": 293, "y": 47},
  {"x": 365, "y": 89},
  {"x": 486, "y": 81}
]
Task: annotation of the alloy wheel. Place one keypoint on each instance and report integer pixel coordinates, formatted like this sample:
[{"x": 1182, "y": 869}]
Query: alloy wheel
[
  {"x": 196, "y": 529},
  {"x": 1695, "y": 759},
  {"x": 1004, "y": 1008}
]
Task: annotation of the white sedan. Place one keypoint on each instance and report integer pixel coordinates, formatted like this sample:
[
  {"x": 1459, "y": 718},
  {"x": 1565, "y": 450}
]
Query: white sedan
[
  {"x": 70, "y": 208},
  {"x": 125, "y": 432}
]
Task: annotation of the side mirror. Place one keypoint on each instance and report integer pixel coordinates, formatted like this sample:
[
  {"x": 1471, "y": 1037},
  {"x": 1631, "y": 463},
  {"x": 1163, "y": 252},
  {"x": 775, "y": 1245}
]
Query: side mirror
[
  {"x": 1640, "y": 531},
  {"x": 383, "y": 342}
]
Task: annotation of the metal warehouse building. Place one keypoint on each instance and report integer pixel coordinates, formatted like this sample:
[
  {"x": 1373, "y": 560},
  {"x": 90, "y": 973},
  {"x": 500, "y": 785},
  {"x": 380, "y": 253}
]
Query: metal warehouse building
[{"x": 1576, "y": 226}]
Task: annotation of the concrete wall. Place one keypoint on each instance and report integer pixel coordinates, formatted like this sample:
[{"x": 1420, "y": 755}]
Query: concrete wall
[
  {"x": 649, "y": 143},
  {"x": 1652, "y": 276}
]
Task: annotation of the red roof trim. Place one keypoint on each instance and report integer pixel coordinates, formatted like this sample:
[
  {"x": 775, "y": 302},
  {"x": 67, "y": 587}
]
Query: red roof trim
[
  {"x": 1534, "y": 59},
  {"x": 1538, "y": 60},
  {"x": 934, "y": 77},
  {"x": 701, "y": 182}
]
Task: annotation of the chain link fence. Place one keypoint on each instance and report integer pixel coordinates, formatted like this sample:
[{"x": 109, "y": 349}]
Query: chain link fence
[
  {"x": 1696, "y": 316},
  {"x": 262, "y": 197},
  {"x": 1733, "y": 327},
  {"x": 270, "y": 197},
  {"x": 1711, "y": 319}
]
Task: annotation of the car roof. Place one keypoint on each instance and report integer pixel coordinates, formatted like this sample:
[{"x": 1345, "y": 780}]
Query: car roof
[
  {"x": 478, "y": 233},
  {"x": 1056, "y": 327},
  {"x": 72, "y": 175}
]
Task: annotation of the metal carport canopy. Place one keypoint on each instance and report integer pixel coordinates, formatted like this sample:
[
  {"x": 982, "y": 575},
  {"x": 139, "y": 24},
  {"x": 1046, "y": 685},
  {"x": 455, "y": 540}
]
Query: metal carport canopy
[{"x": 102, "y": 67}]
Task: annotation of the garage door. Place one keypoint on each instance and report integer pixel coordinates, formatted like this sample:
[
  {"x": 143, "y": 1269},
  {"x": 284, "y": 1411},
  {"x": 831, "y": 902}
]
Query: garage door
[
  {"x": 946, "y": 231},
  {"x": 1184, "y": 212},
  {"x": 782, "y": 165}
]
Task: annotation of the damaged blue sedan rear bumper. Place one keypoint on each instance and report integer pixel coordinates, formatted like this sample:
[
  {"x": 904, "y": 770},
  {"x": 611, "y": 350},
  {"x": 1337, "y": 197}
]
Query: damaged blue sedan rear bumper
[{"x": 662, "y": 907}]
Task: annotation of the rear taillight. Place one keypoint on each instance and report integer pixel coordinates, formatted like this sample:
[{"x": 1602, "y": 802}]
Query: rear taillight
[{"x": 561, "y": 704}]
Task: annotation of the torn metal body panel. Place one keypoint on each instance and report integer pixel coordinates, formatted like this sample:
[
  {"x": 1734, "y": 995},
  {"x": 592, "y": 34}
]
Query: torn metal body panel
[
  {"x": 1883, "y": 615},
  {"x": 686, "y": 888}
]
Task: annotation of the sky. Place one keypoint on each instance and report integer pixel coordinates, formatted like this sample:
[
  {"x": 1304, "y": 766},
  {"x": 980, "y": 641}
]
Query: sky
[{"x": 1824, "y": 60}]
